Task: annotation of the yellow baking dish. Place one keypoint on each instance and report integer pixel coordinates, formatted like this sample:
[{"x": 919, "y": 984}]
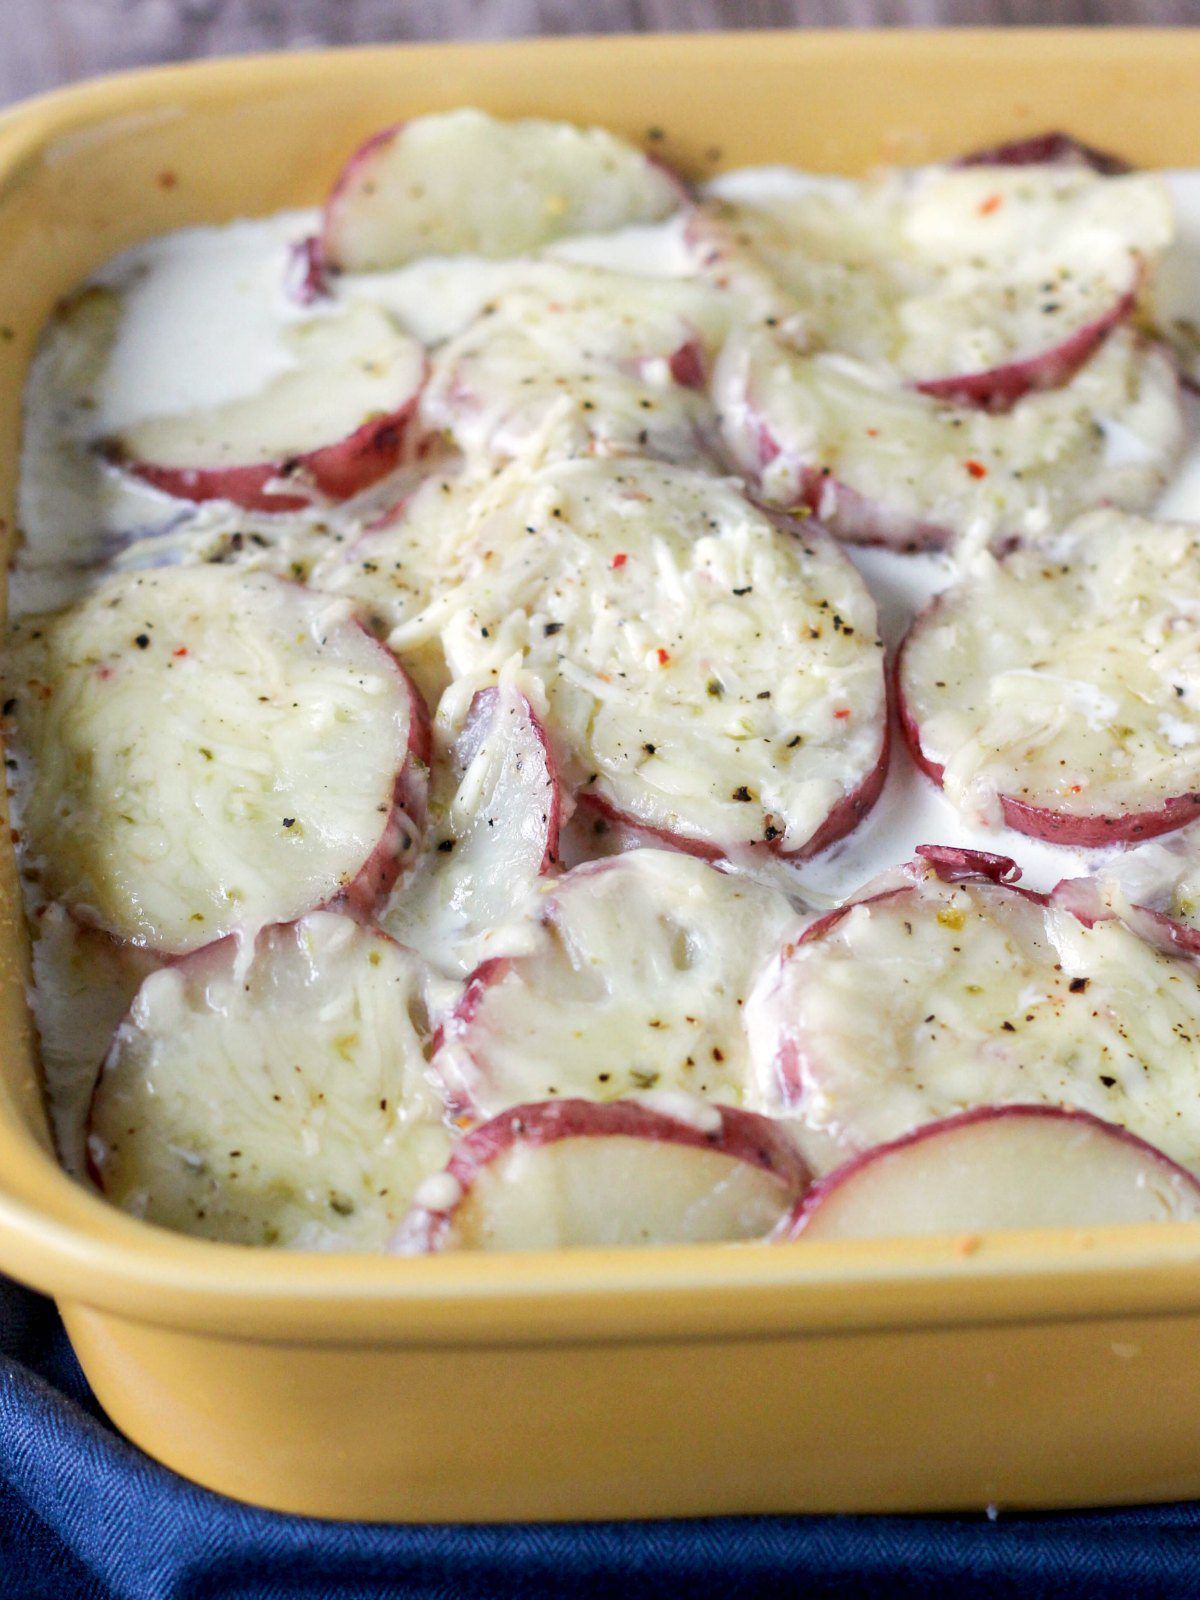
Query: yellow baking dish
[{"x": 1025, "y": 1369}]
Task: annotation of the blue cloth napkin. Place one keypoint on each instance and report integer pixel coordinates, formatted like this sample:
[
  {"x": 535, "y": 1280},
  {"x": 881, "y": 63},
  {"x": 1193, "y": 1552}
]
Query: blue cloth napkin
[{"x": 85, "y": 1516}]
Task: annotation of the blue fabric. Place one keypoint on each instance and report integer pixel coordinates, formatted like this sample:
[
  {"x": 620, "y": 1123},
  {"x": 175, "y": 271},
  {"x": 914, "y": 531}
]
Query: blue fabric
[{"x": 85, "y": 1516}]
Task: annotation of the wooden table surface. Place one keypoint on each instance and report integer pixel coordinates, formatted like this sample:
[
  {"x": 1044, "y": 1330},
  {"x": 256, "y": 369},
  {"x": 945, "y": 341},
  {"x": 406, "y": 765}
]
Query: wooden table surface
[{"x": 48, "y": 42}]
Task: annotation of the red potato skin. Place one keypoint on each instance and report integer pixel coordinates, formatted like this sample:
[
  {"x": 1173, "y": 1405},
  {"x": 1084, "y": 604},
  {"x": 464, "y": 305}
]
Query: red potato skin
[
  {"x": 1045, "y": 149},
  {"x": 325, "y": 246},
  {"x": 742, "y": 1135},
  {"x": 458, "y": 1099},
  {"x": 951, "y": 863},
  {"x": 810, "y": 1203},
  {"x": 688, "y": 365},
  {"x": 1090, "y": 831},
  {"x": 307, "y": 276},
  {"x": 334, "y": 472}
]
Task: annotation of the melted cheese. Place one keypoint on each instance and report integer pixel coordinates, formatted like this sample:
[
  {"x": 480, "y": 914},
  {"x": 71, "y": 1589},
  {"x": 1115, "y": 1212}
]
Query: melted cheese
[
  {"x": 977, "y": 996},
  {"x": 711, "y": 675},
  {"x": 1066, "y": 675},
  {"x": 635, "y": 980},
  {"x": 201, "y": 751},
  {"x": 283, "y": 1101}
]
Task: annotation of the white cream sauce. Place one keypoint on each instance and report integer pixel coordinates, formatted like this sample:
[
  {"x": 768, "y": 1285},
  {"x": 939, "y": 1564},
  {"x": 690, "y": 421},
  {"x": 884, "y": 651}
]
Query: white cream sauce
[{"x": 204, "y": 313}]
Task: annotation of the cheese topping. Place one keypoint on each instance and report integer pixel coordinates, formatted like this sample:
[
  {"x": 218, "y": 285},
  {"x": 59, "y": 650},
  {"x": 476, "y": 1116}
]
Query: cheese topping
[
  {"x": 201, "y": 750},
  {"x": 492, "y": 833}
]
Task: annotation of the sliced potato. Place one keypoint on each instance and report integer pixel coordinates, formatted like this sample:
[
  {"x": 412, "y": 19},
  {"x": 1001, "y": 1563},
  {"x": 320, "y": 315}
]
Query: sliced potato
[
  {"x": 274, "y": 1093},
  {"x": 493, "y": 833},
  {"x": 660, "y": 1169},
  {"x": 999, "y": 1167},
  {"x": 633, "y": 977},
  {"x": 714, "y": 676},
  {"x": 326, "y": 428},
  {"x": 952, "y": 988},
  {"x": 201, "y": 750},
  {"x": 1056, "y": 688},
  {"x": 879, "y": 463},
  {"x": 463, "y": 181}
]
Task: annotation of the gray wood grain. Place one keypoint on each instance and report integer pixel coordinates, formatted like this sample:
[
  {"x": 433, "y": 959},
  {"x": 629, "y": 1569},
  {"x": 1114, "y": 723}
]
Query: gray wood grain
[{"x": 48, "y": 42}]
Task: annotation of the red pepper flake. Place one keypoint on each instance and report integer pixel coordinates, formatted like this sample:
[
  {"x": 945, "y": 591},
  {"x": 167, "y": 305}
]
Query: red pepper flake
[
  {"x": 992, "y": 203},
  {"x": 976, "y": 469},
  {"x": 619, "y": 559},
  {"x": 167, "y": 179},
  {"x": 872, "y": 433},
  {"x": 663, "y": 656},
  {"x": 1076, "y": 788},
  {"x": 182, "y": 651},
  {"x": 842, "y": 714}
]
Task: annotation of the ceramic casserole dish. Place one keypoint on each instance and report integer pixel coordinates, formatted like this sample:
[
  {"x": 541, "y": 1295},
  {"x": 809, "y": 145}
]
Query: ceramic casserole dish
[{"x": 1039, "y": 1369}]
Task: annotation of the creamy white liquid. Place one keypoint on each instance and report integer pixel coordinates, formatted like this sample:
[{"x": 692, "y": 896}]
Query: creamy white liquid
[{"x": 204, "y": 314}]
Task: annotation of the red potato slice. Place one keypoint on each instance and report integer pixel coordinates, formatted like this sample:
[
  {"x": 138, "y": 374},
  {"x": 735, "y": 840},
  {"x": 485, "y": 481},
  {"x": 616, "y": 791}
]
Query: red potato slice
[
  {"x": 999, "y": 1167},
  {"x": 580, "y": 359},
  {"x": 464, "y": 182},
  {"x": 881, "y": 464},
  {"x": 201, "y": 750},
  {"x": 662, "y": 1169},
  {"x": 714, "y": 675},
  {"x": 328, "y": 427},
  {"x": 492, "y": 835},
  {"x": 275, "y": 1093},
  {"x": 976, "y": 284},
  {"x": 633, "y": 977},
  {"x": 981, "y": 993},
  {"x": 1055, "y": 688}
]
